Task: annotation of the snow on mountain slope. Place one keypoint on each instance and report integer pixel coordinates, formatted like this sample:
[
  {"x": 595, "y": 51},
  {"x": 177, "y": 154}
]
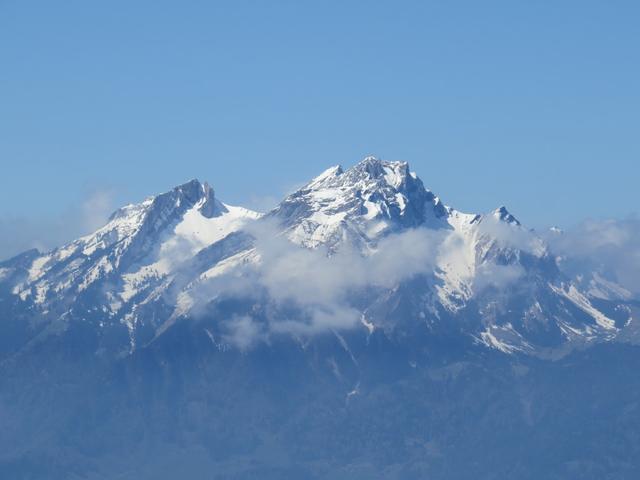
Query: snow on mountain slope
[
  {"x": 370, "y": 199},
  {"x": 153, "y": 263},
  {"x": 376, "y": 198},
  {"x": 488, "y": 267},
  {"x": 139, "y": 248}
]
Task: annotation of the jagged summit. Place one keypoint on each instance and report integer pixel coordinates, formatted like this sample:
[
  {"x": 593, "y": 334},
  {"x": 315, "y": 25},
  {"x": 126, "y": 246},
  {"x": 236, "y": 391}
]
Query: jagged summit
[
  {"x": 194, "y": 193},
  {"x": 369, "y": 170},
  {"x": 392, "y": 173},
  {"x": 372, "y": 197},
  {"x": 183, "y": 196},
  {"x": 501, "y": 213},
  {"x": 138, "y": 246}
]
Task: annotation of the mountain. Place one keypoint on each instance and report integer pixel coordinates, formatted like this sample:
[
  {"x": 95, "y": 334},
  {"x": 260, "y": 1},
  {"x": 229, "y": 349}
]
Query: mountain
[
  {"x": 190, "y": 332},
  {"x": 104, "y": 277},
  {"x": 489, "y": 278}
]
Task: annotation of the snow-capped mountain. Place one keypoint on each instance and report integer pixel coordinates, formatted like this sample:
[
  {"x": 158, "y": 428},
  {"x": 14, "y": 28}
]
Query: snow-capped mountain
[
  {"x": 487, "y": 279},
  {"x": 359, "y": 205},
  {"x": 360, "y": 329},
  {"x": 103, "y": 277}
]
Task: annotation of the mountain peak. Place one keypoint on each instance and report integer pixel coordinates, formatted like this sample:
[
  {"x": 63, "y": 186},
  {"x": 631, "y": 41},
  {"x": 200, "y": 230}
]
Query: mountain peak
[
  {"x": 501, "y": 213},
  {"x": 371, "y": 197},
  {"x": 369, "y": 174},
  {"x": 192, "y": 193},
  {"x": 392, "y": 173}
]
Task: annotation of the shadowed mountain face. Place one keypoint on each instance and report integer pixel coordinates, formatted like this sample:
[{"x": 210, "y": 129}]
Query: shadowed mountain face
[{"x": 361, "y": 329}]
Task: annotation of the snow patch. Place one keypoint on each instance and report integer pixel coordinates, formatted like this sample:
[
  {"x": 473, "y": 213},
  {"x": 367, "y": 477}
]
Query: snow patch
[
  {"x": 37, "y": 268},
  {"x": 579, "y": 300},
  {"x": 5, "y": 272}
]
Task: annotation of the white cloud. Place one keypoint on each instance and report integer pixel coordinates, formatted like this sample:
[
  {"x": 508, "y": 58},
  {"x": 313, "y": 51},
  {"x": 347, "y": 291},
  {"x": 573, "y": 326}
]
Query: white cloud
[
  {"x": 496, "y": 276},
  {"x": 243, "y": 332},
  {"x": 96, "y": 209},
  {"x": 309, "y": 277},
  {"x": 511, "y": 236},
  {"x": 611, "y": 247},
  {"x": 44, "y": 233},
  {"x": 318, "y": 286}
]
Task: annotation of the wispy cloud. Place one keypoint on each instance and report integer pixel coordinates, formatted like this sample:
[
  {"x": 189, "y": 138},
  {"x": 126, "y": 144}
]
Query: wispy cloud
[
  {"x": 511, "y": 236},
  {"x": 96, "y": 209},
  {"x": 23, "y": 233},
  {"x": 496, "y": 276},
  {"x": 243, "y": 331},
  {"x": 608, "y": 246},
  {"x": 319, "y": 286},
  {"x": 322, "y": 285}
]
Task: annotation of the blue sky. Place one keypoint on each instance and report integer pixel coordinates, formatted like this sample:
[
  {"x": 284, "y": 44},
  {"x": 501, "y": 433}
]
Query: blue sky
[{"x": 530, "y": 104}]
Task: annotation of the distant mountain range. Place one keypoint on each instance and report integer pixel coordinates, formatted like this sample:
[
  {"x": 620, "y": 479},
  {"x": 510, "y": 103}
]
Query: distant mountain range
[{"x": 360, "y": 329}]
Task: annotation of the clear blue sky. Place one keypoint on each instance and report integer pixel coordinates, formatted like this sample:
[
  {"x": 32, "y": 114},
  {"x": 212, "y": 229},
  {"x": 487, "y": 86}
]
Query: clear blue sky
[{"x": 535, "y": 105}]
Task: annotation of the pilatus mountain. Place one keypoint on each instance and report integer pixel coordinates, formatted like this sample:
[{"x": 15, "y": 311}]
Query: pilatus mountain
[{"x": 361, "y": 329}]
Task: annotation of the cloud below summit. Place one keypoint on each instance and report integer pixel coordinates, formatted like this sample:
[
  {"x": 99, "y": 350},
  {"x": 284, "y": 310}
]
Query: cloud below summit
[
  {"x": 609, "y": 246},
  {"x": 319, "y": 286},
  {"x": 312, "y": 290}
]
